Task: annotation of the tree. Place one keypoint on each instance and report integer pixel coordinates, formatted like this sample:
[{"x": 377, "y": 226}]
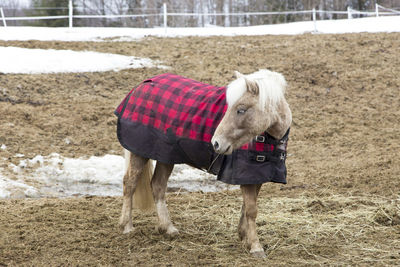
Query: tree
[
  {"x": 49, "y": 8},
  {"x": 11, "y": 8},
  {"x": 150, "y": 11}
]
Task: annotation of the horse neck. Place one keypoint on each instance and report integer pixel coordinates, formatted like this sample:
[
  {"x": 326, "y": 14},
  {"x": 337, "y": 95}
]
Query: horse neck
[{"x": 283, "y": 119}]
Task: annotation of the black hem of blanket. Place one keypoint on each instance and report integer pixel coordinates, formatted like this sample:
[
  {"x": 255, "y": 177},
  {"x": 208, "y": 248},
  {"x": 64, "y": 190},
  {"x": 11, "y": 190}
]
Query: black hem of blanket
[{"x": 228, "y": 166}]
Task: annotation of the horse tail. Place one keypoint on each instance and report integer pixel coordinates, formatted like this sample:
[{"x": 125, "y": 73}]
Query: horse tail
[{"x": 143, "y": 196}]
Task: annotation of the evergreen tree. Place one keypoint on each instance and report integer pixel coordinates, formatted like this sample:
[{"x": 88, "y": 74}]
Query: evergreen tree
[{"x": 49, "y": 8}]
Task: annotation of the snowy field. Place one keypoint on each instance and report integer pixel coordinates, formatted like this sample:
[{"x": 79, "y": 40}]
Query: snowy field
[
  {"x": 54, "y": 175},
  {"x": 373, "y": 24}
]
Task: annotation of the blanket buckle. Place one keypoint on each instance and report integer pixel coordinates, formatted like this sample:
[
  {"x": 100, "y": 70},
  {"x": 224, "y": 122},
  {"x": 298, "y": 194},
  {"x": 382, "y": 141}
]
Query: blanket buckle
[
  {"x": 260, "y": 139},
  {"x": 260, "y": 158}
]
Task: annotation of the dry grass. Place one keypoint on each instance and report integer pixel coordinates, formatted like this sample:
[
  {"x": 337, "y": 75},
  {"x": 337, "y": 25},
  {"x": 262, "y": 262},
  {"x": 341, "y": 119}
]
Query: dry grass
[{"x": 332, "y": 230}]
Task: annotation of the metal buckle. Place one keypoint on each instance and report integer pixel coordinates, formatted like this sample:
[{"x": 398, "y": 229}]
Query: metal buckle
[
  {"x": 260, "y": 158},
  {"x": 260, "y": 138},
  {"x": 282, "y": 157}
]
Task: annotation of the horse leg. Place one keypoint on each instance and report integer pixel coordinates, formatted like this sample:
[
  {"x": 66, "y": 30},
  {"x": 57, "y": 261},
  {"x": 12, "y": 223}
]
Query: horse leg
[
  {"x": 248, "y": 227},
  {"x": 159, "y": 186},
  {"x": 134, "y": 165},
  {"x": 242, "y": 228}
]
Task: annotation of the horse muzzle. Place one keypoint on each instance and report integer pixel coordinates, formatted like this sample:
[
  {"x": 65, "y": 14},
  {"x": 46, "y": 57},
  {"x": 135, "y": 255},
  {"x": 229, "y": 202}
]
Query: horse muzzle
[{"x": 221, "y": 146}]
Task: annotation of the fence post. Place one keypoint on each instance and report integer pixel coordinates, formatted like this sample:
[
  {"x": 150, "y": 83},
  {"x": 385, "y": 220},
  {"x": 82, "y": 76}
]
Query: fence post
[
  {"x": 70, "y": 7},
  {"x": 314, "y": 18},
  {"x": 2, "y": 17},
  {"x": 349, "y": 16},
  {"x": 377, "y": 10},
  {"x": 165, "y": 16}
]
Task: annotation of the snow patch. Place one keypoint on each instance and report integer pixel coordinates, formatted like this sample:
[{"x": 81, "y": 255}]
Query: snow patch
[
  {"x": 16, "y": 189},
  {"x": 55, "y": 175},
  {"x": 34, "y": 61}
]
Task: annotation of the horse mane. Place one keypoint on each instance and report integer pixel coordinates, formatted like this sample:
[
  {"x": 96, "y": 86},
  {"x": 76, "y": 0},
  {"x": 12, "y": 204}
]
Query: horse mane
[{"x": 271, "y": 85}]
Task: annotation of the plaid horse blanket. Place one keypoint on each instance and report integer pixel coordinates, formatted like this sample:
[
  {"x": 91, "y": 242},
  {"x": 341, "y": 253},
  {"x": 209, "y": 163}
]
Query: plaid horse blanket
[{"x": 170, "y": 118}]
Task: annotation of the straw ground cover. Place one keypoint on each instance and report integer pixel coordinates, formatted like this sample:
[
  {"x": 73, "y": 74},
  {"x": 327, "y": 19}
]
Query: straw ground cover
[
  {"x": 341, "y": 204},
  {"x": 333, "y": 230}
]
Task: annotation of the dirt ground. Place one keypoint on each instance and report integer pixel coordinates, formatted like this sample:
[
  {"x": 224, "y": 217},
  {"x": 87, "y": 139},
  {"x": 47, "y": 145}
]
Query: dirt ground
[{"x": 342, "y": 202}]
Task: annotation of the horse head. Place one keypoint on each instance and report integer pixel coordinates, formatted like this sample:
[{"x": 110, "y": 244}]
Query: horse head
[{"x": 256, "y": 103}]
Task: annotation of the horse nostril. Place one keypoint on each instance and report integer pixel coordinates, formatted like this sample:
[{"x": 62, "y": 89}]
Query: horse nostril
[{"x": 216, "y": 145}]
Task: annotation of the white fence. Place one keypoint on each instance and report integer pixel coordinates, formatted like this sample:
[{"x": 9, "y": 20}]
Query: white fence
[{"x": 165, "y": 14}]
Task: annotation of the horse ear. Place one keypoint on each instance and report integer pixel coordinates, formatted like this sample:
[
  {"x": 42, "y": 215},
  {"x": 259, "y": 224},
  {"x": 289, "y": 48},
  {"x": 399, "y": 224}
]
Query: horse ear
[
  {"x": 238, "y": 74},
  {"x": 251, "y": 86}
]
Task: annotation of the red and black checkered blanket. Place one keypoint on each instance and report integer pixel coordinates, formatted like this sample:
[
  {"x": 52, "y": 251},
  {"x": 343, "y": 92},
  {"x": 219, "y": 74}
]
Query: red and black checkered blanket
[
  {"x": 189, "y": 108},
  {"x": 172, "y": 119}
]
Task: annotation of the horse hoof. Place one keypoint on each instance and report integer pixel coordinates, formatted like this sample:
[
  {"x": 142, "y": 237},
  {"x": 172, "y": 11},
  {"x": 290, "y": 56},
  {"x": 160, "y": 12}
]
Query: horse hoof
[
  {"x": 161, "y": 230},
  {"x": 172, "y": 231},
  {"x": 242, "y": 235},
  {"x": 127, "y": 228},
  {"x": 258, "y": 254}
]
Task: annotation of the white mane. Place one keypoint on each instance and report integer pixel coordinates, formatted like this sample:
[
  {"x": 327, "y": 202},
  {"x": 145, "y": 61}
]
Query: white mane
[{"x": 271, "y": 86}]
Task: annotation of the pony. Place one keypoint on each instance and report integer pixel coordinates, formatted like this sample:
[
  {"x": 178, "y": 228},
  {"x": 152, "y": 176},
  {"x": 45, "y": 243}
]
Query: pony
[{"x": 252, "y": 104}]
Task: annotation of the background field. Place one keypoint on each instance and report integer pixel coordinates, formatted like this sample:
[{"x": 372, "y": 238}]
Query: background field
[{"x": 341, "y": 205}]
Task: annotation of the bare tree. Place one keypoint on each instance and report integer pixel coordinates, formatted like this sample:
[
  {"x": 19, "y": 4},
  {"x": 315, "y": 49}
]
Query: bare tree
[
  {"x": 11, "y": 8},
  {"x": 150, "y": 11}
]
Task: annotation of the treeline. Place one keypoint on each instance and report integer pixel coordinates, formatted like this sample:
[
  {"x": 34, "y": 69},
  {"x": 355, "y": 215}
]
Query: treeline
[{"x": 206, "y": 12}]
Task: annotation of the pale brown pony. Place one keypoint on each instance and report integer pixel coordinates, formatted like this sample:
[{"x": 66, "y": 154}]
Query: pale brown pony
[{"x": 256, "y": 104}]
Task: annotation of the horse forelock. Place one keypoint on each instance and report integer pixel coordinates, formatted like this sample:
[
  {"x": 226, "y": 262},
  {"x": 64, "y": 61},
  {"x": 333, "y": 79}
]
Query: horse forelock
[
  {"x": 235, "y": 91},
  {"x": 272, "y": 86}
]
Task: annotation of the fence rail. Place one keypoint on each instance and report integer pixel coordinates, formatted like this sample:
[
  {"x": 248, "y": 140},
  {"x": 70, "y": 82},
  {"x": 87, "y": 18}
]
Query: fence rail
[{"x": 164, "y": 14}]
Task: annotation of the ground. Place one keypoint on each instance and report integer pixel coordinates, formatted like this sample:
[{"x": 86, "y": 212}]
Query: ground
[{"x": 341, "y": 205}]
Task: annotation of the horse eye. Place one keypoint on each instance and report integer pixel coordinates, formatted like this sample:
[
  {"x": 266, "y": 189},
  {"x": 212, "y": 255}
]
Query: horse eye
[{"x": 241, "y": 111}]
